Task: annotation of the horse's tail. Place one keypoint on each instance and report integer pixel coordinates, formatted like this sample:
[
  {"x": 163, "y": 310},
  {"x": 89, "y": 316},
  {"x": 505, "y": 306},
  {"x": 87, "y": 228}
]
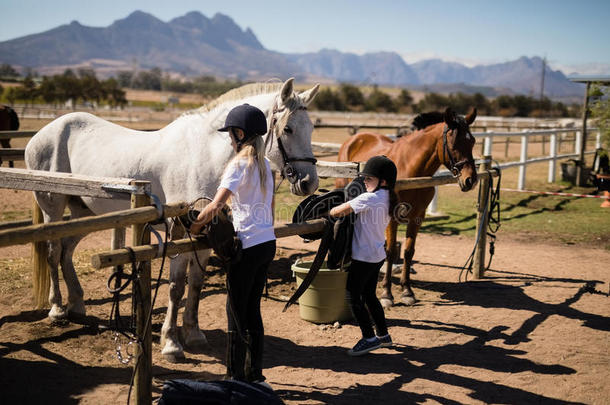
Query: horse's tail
[{"x": 41, "y": 282}]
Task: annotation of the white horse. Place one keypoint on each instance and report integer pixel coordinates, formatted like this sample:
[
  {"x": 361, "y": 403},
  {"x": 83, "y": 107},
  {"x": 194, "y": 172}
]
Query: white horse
[{"x": 183, "y": 161}]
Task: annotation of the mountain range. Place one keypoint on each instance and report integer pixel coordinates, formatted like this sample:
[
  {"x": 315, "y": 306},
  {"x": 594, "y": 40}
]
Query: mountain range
[{"x": 194, "y": 44}]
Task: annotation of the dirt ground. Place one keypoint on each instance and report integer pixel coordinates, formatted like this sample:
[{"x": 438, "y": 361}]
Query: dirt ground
[{"x": 536, "y": 330}]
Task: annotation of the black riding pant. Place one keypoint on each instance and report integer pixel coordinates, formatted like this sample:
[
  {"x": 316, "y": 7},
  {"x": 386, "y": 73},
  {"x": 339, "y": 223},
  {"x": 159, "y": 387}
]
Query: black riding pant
[
  {"x": 246, "y": 282},
  {"x": 361, "y": 284}
]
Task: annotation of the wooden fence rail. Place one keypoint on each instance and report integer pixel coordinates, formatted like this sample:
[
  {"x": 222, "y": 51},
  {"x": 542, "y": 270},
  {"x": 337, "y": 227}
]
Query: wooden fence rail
[
  {"x": 61, "y": 229},
  {"x": 153, "y": 251}
]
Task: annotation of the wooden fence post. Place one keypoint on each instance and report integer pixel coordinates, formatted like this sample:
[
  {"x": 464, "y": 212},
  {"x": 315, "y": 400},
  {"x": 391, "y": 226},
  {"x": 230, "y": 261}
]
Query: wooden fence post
[
  {"x": 482, "y": 211},
  {"x": 41, "y": 279},
  {"x": 143, "y": 364}
]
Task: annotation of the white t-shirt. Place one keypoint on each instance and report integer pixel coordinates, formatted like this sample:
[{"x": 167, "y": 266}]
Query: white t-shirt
[
  {"x": 251, "y": 210},
  {"x": 370, "y": 225}
]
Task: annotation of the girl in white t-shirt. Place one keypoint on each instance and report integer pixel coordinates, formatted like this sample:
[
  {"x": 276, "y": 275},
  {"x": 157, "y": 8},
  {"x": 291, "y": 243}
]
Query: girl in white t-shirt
[
  {"x": 248, "y": 181},
  {"x": 373, "y": 209}
]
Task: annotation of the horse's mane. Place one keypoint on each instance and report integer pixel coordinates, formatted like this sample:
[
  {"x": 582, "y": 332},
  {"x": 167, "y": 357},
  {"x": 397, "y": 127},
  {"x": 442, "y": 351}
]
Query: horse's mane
[
  {"x": 251, "y": 89},
  {"x": 428, "y": 118}
]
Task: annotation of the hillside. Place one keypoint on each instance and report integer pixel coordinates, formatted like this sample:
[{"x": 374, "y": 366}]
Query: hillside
[{"x": 194, "y": 44}]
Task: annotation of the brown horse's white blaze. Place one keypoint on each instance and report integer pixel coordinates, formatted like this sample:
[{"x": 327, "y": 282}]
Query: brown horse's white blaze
[{"x": 441, "y": 139}]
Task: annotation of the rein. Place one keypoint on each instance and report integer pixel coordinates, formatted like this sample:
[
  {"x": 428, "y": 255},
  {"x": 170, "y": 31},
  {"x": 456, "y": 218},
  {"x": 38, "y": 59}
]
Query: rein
[
  {"x": 287, "y": 170},
  {"x": 455, "y": 167}
]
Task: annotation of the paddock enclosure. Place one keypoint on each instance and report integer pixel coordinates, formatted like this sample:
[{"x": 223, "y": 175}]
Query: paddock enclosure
[{"x": 534, "y": 330}]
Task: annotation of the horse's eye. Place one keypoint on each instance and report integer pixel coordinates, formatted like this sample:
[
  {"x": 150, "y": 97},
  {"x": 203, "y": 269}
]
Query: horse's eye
[{"x": 288, "y": 130}]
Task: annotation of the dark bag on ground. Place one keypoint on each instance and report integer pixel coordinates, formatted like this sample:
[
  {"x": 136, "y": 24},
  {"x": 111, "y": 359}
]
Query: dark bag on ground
[
  {"x": 228, "y": 392},
  {"x": 317, "y": 206}
]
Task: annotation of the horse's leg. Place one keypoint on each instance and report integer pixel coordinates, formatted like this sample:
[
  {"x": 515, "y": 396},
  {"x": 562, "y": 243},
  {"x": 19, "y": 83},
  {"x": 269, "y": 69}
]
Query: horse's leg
[
  {"x": 172, "y": 349},
  {"x": 52, "y": 207},
  {"x": 407, "y": 297},
  {"x": 387, "y": 299},
  {"x": 6, "y": 143},
  {"x": 76, "y": 304},
  {"x": 193, "y": 337}
]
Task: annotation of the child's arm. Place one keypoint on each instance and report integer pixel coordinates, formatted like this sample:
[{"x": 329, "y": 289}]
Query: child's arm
[{"x": 341, "y": 210}]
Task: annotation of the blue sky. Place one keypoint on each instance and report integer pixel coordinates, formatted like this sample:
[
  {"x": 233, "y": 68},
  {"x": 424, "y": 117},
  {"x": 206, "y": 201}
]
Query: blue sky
[{"x": 573, "y": 35}]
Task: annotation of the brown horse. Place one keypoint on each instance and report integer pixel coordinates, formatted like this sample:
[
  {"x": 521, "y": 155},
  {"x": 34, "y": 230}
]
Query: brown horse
[
  {"x": 8, "y": 122},
  {"x": 441, "y": 138}
]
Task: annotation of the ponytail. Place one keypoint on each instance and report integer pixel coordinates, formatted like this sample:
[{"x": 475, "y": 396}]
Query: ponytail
[{"x": 254, "y": 152}]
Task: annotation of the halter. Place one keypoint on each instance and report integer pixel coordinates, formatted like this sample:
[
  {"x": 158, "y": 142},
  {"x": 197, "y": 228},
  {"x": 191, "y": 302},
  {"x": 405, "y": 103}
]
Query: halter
[
  {"x": 287, "y": 169},
  {"x": 455, "y": 167}
]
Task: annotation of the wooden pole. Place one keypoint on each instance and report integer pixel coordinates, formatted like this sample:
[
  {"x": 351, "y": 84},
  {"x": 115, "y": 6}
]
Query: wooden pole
[
  {"x": 583, "y": 141},
  {"x": 143, "y": 364},
  {"x": 482, "y": 210}
]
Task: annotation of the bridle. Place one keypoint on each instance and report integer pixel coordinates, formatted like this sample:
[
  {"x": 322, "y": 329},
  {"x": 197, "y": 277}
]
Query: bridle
[
  {"x": 287, "y": 170},
  {"x": 454, "y": 167}
]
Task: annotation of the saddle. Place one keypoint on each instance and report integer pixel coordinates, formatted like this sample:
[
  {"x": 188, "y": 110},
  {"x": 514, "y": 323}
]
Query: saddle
[
  {"x": 220, "y": 234},
  {"x": 336, "y": 237}
]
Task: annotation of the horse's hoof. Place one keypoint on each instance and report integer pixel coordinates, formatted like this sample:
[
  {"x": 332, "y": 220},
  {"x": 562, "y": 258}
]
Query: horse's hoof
[
  {"x": 173, "y": 353},
  {"x": 57, "y": 314},
  {"x": 77, "y": 310},
  {"x": 174, "y": 358},
  {"x": 196, "y": 343},
  {"x": 386, "y": 302},
  {"x": 408, "y": 300}
]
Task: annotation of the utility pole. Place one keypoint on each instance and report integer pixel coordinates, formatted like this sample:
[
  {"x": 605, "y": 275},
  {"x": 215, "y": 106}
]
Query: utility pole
[{"x": 542, "y": 80}]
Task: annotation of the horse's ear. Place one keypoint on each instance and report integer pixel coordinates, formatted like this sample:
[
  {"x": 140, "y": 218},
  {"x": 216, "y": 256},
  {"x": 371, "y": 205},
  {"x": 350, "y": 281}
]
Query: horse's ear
[
  {"x": 308, "y": 95},
  {"x": 471, "y": 117},
  {"x": 449, "y": 117},
  {"x": 287, "y": 90}
]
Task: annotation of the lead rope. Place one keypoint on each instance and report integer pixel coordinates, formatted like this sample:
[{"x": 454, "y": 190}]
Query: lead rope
[
  {"x": 118, "y": 275},
  {"x": 493, "y": 224}
]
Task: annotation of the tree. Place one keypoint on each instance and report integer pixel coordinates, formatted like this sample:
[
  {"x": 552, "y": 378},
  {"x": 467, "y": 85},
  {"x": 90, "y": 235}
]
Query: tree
[
  {"x": 124, "y": 78},
  {"x": 328, "y": 100},
  {"x": 600, "y": 110},
  {"x": 114, "y": 94},
  {"x": 29, "y": 90},
  {"x": 7, "y": 71},
  {"x": 11, "y": 95},
  {"x": 352, "y": 96},
  {"x": 404, "y": 98},
  {"x": 90, "y": 86},
  {"x": 48, "y": 90},
  {"x": 380, "y": 101}
]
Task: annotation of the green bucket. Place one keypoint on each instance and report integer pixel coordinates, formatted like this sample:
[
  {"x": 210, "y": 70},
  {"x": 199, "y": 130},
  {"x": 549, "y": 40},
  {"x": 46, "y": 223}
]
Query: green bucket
[{"x": 325, "y": 300}]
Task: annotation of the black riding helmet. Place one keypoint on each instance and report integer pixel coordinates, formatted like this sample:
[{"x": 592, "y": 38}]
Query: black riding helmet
[
  {"x": 382, "y": 168},
  {"x": 249, "y": 119}
]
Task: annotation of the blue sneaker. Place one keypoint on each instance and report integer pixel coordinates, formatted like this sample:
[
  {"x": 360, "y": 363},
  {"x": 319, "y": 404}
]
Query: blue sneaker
[
  {"x": 385, "y": 341},
  {"x": 364, "y": 346}
]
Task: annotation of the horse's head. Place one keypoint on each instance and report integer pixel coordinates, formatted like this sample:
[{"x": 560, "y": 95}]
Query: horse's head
[
  {"x": 457, "y": 144},
  {"x": 289, "y": 139}
]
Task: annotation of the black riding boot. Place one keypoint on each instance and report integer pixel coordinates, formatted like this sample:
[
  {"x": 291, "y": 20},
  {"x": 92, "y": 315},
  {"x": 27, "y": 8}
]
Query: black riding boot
[
  {"x": 254, "y": 363},
  {"x": 236, "y": 357}
]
